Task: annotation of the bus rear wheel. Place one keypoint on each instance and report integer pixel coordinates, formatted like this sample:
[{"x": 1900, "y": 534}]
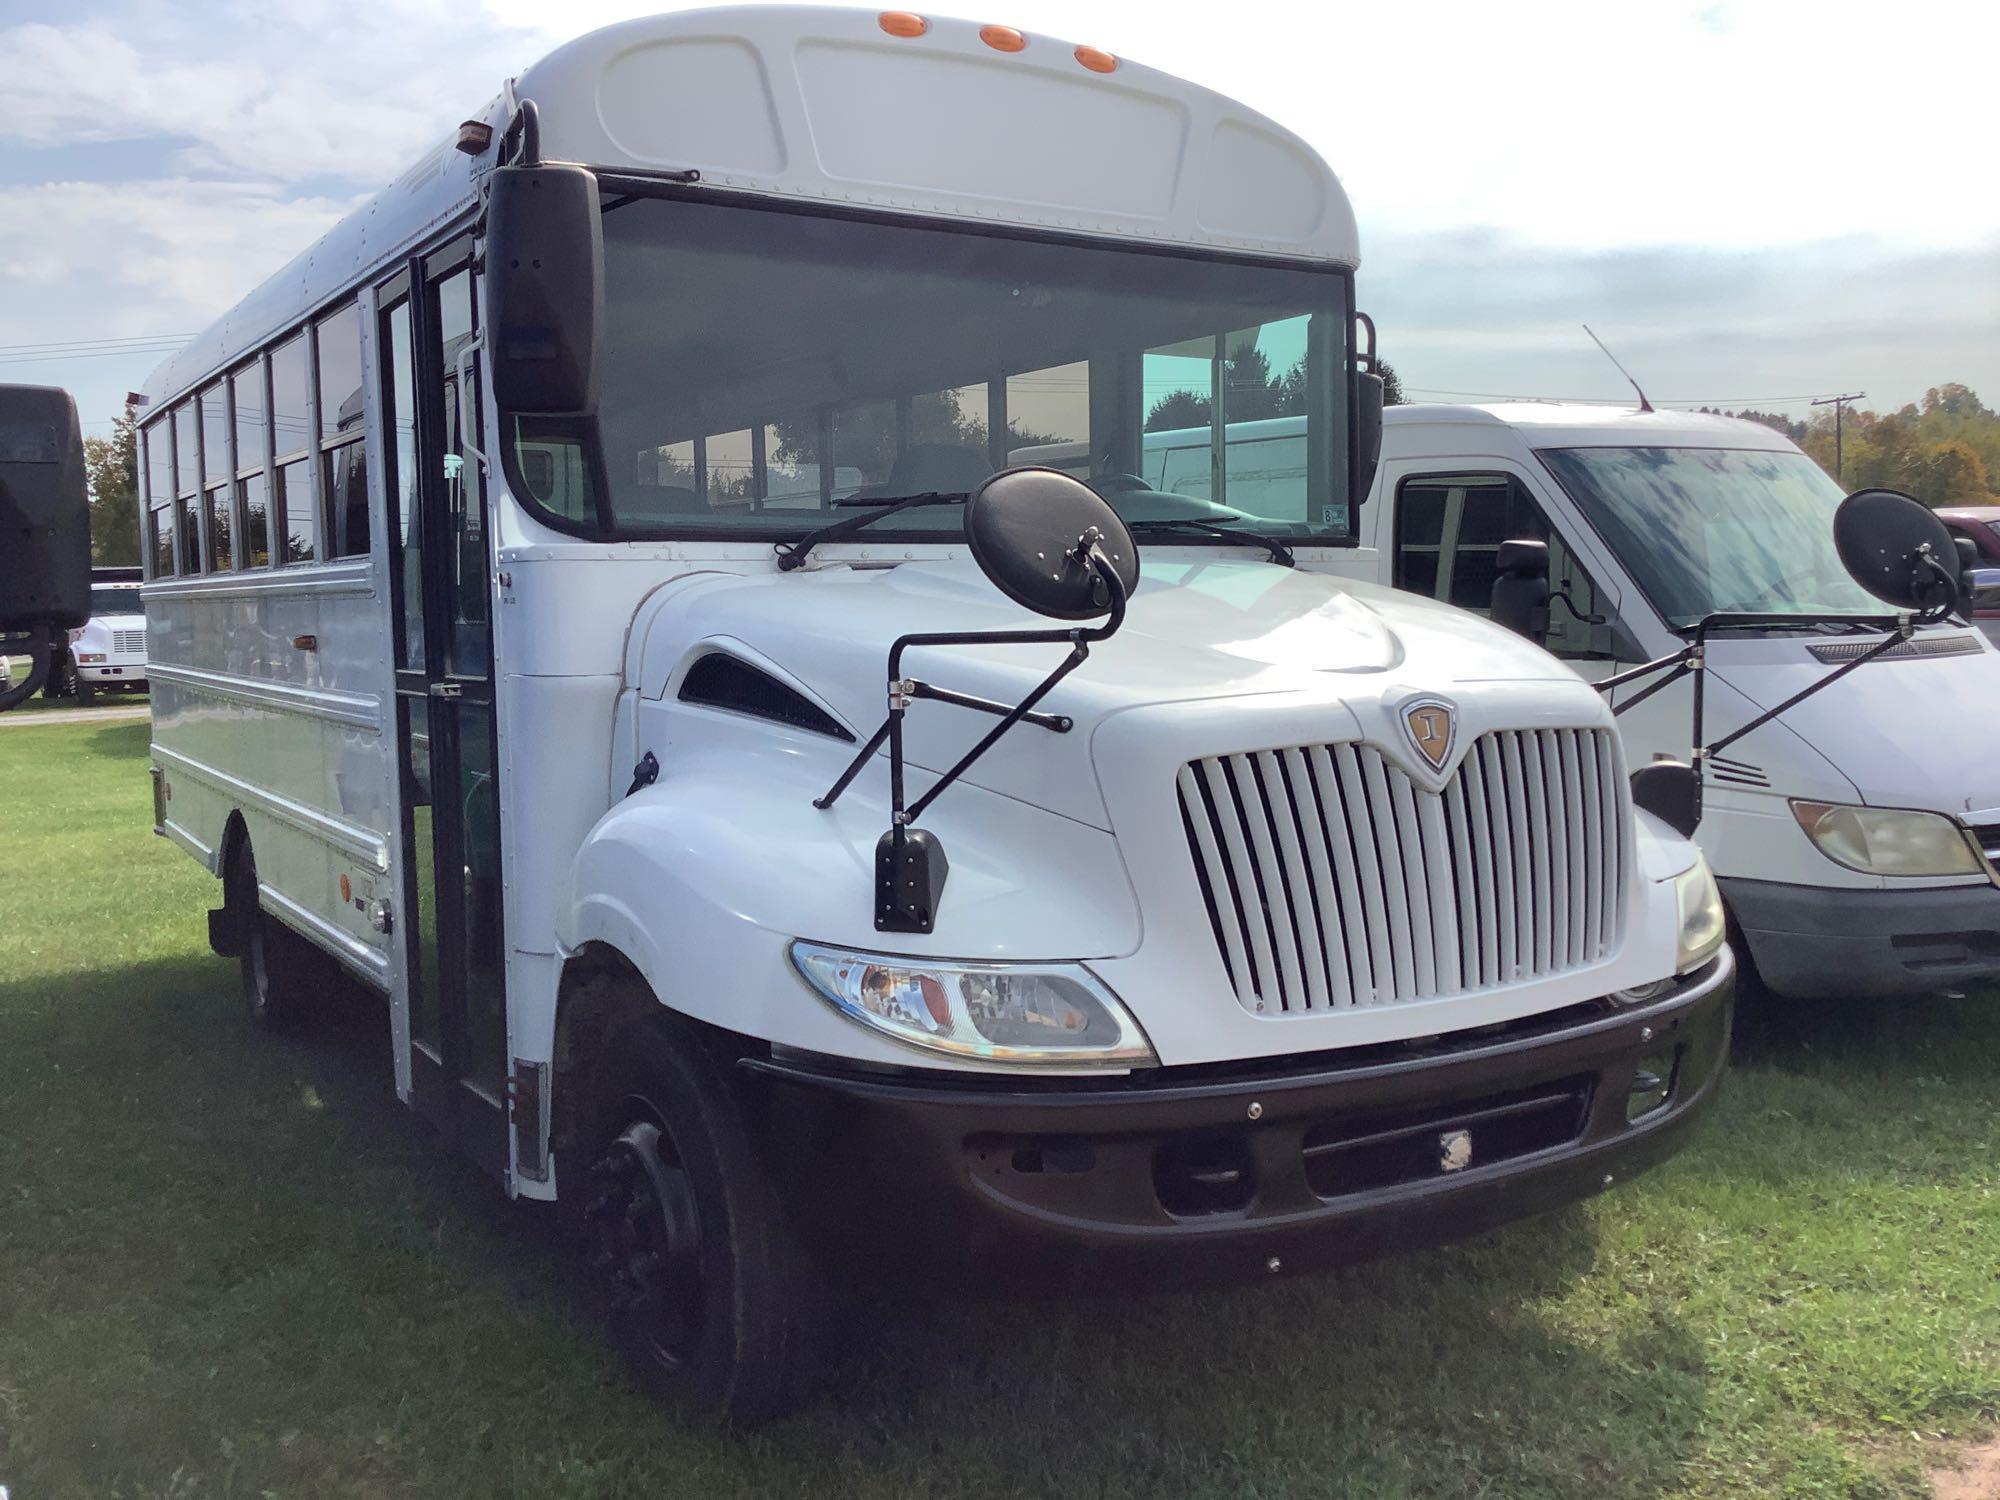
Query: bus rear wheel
[
  {"x": 275, "y": 966},
  {"x": 689, "y": 1257}
]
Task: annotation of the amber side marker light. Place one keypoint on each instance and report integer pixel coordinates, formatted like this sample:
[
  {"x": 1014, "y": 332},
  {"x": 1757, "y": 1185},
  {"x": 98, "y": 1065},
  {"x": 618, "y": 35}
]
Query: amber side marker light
[
  {"x": 1097, "y": 59},
  {"x": 903, "y": 23},
  {"x": 1002, "y": 38}
]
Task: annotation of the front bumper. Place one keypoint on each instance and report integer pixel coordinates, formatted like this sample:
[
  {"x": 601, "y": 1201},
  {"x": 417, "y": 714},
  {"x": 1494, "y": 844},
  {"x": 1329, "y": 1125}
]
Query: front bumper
[
  {"x": 1200, "y": 1176},
  {"x": 134, "y": 672},
  {"x": 1814, "y": 942}
]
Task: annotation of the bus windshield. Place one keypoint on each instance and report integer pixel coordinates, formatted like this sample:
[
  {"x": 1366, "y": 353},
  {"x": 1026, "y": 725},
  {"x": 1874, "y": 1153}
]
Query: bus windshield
[
  {"x": 762, "y": 368},
  {"x": 115, "y": 599},
  {"x": 1708, "y": 529}
]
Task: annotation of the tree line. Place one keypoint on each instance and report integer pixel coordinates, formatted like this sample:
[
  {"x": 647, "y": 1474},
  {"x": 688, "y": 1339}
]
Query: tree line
[{"x": 1945, "y": 449}]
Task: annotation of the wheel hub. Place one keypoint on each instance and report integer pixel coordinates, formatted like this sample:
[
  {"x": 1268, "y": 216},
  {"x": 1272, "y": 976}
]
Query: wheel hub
[{"x": 648, "y": 1240}]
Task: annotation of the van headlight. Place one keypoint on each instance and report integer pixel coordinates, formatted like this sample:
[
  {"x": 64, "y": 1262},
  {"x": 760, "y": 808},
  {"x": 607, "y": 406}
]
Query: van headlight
[
  {"x": 1014, "y": 1013},
  {"x": 1702, "y": 925},
  {"x": 1887, "y": 840}
]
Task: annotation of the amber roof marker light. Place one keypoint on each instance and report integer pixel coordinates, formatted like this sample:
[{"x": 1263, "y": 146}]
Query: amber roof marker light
[
  {"x": 903, "y": 23},
  {"x": 1002, "y": 38},
  {"x": 1097, "y": 59}
]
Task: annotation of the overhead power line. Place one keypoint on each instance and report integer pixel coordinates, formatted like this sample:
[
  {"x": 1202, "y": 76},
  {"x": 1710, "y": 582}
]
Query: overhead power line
[
  {"x": 132, "y": 346},
  {"x": 61, "y": 344}
]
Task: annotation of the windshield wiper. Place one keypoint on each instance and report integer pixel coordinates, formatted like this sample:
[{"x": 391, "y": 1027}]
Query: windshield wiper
[
  {"x": 795, "y": 555},
  {"x": 1280, "y": 553},
  {"x": 1847, "y": 626}
]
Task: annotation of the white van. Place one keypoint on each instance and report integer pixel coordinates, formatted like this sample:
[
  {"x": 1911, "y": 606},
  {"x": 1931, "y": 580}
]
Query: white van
[{"x": 1857, "y": 838}]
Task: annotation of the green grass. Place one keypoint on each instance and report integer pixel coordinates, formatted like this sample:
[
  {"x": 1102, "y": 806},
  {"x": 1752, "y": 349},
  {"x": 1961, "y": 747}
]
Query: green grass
[{"x": 231, "y": 1266}]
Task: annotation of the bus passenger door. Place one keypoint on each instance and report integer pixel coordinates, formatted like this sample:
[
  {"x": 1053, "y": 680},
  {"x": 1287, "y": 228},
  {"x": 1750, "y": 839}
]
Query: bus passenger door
[{"x": 455, "y": 953}]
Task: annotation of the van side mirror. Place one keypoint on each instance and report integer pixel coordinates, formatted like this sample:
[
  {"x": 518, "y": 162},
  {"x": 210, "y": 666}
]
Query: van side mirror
[
  {"x": 1521, "y": 592},
  {"x": 1367, "y": 436},
  {"x": 44, "y": 527},
  {"x": 1982, "y": 590},
  {"x": 544, "y": 257}
]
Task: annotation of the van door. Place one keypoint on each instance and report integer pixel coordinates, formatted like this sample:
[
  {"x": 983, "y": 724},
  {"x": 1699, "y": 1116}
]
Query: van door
[
  {"x": 455, "y": 951},
  {"x": 1447, "y": 530}
]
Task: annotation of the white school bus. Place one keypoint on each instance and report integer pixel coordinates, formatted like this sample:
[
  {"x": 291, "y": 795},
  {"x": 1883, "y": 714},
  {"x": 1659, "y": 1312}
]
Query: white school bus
[{"x": 595, "y": 595}]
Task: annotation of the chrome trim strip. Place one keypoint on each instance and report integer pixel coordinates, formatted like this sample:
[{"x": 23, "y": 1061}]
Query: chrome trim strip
[
  {"x": 361, "y": 843},
  {"x": 181, "y": 835},
  {"x": 349, "y": 576},
  {"x": 370, "y": 963},
  {"x": 360, "y": 710}
]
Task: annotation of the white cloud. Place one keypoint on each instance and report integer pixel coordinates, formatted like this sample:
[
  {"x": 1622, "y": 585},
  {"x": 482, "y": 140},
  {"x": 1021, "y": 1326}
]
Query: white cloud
[
  {"x": 181, "y": 249},
  {"x": 1515, "y": 166},
  {"x": 280, "y": 95}
]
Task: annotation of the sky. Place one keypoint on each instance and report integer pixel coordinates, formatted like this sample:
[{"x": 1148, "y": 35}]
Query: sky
[{"x": 1754, "y": 202}]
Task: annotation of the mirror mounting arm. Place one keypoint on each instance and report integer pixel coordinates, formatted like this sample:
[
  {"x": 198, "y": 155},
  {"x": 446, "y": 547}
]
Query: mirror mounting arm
[
  {"x": 902, "y": 693},
  {"x": 910, "y": 863}
]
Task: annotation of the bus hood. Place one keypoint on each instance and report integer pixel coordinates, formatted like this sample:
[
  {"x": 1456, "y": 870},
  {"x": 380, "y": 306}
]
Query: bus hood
[
  {"x": 1264, "y": 636},
  {"x": 1907, "y": 731}
]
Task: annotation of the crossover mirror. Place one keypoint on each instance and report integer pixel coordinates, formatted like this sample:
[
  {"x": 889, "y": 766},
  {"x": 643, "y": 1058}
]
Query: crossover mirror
[
  {"x": 1033, "y": 533},
  {"x": 44, "y": 529},
  {"x": 544, "y": 289},
  {"x": 1897, "y": 549},
  {"x": 1521, "y": 591},
  {"x": 1049, "y": 543}
]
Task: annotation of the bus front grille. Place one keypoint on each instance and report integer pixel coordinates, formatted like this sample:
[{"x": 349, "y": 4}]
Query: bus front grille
[
  {"x": 1333, "y": 880},
  {"x": 128, "y": 642}
]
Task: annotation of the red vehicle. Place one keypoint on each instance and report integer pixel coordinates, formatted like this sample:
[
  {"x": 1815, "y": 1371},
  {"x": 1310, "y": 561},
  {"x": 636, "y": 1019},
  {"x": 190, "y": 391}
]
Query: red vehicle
[{"x": 1980, "y": 524}]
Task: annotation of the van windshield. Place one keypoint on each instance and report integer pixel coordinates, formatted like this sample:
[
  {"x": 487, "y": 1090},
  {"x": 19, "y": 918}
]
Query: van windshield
[
  {"x": 763, "y": 372},
  {"x": 1708, "y": 529}
]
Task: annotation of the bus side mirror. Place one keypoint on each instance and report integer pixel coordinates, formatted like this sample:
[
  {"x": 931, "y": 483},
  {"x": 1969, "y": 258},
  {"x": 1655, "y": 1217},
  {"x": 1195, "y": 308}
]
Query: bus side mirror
[
  {"x": 1521, "y": 592},
  {"x": 544, "y": 258},
  {"x": 1367, "y": 436}
]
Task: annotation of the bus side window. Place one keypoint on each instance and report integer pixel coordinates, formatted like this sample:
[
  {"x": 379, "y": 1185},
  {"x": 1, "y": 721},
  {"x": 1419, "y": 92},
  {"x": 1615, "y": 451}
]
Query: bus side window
[{"x": 1448, "y": 536}]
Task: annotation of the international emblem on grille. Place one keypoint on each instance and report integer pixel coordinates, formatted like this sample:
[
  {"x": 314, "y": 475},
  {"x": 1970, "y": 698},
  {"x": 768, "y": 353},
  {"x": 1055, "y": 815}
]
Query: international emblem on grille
[
  {"x": 1454, "y": 1150},
  {"x": 1432, "y": 726}
]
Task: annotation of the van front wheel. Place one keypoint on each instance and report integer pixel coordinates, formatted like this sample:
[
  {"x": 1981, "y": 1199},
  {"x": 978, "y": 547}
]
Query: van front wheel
[{"x": 690, "y": 1258}]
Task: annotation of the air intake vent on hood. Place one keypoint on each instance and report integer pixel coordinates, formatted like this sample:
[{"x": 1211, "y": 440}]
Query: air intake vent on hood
[{"x": 720, "y": 680}]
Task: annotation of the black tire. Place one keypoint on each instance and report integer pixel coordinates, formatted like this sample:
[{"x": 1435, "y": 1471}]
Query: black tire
[
  {"x": 277, "y": 966},
  {"x": 86, "y": 692},
  {"x": 689, "y": 1256}
]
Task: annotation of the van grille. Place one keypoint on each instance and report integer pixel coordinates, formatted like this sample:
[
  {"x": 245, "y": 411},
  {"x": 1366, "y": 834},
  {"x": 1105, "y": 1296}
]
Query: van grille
[
  {"x": 1334, "y": 880},
  {"x": 129, "y": 642}
]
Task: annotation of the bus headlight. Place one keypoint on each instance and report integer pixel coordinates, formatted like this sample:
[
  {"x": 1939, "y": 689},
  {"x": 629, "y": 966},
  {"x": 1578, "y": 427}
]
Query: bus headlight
[
  {"x": 1887, "y": 840},
  {"x": 1056, "y": 1014},
  {"x": 1702, "y": 925}
]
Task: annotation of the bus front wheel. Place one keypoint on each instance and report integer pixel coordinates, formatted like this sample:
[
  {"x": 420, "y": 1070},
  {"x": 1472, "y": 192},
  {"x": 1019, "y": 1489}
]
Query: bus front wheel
[{"x": 689, "y": 1255}]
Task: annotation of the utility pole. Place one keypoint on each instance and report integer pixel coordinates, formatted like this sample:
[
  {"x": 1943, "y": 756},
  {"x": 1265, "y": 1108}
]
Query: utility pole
[{"x": 1839, "y": 405}]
